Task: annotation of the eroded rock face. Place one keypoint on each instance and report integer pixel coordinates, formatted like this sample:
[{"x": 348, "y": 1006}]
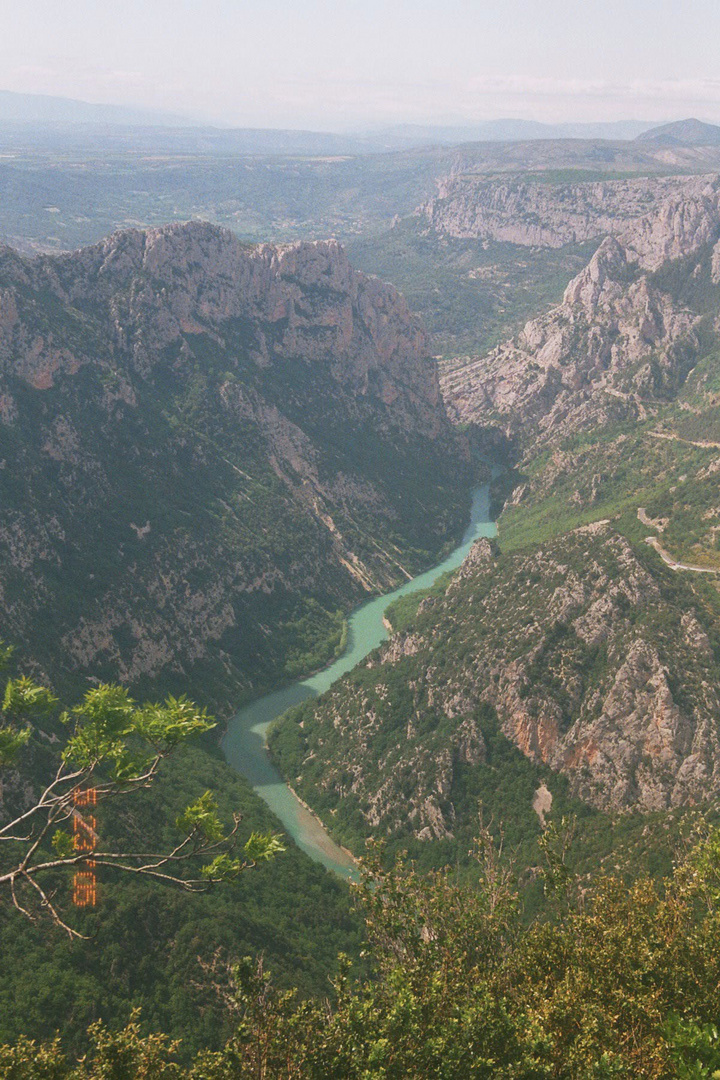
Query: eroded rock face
[
  {"x": 617, "y": 340},
  {"x": 303, "y": 300},
  {"x": 637, "y": 736},
  {"x": 580, "y": 651},
  {"x": 682, "y": 223},
  {"x": 206, "y": 433},
  {"x": 674, "y": 212}
]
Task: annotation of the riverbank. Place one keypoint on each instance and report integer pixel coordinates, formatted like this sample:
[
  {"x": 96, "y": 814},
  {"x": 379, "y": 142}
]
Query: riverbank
[{"x": 244, "y": 743}]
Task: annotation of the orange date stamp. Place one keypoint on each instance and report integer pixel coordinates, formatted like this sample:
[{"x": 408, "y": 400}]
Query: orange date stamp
[{"x": 85, "y": 840}]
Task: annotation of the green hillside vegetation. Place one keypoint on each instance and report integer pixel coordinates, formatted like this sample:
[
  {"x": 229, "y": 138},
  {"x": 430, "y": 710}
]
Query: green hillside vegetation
[
  {"x": 156, "y": 946},
  {"x": 472, "y": 294},
  {"x": 613, "y": 471},
  {"x": 368, "y": 753},
  {"x": 613, "y": 981},
  {"x": 191, "y": 495},
  {"x": 153, "y": 948}
]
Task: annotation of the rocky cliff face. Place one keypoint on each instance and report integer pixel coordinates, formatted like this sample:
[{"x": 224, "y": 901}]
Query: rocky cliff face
[
  {"x": 539, "y": 214},
  {"x": 303, "y": 300},
  {"x": 581, "y": 651},
  {"x": 623, "y": 337},
  {"x": 205, "y": 450}
]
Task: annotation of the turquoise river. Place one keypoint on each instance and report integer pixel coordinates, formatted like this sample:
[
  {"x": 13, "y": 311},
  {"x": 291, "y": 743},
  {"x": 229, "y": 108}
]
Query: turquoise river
[{"x": 244, "y": 743}]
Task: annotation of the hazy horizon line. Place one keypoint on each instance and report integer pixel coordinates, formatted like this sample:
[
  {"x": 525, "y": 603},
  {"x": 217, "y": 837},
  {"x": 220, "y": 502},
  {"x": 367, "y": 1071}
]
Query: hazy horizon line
[{"x": 368, "y": 126}]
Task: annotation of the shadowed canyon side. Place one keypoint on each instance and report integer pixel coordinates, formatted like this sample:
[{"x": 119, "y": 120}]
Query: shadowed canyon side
[{"x": 209, "y": 451}]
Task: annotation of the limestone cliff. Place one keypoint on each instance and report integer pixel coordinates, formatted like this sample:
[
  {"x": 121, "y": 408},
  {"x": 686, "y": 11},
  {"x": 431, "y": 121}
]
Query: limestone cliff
[
  {"x": 546, "y": 214},
  {"x": 624, "y": 337}
]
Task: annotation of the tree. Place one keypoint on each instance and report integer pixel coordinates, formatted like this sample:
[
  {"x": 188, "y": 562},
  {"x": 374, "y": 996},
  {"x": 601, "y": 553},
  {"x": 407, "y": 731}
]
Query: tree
[
  {"x": 621, "y": 982},
  {"x": 114, "y": 748}
]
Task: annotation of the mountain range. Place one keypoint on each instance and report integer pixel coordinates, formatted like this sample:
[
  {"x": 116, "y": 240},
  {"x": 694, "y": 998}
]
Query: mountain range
[
  {"x": 45, "y": 109},
  {"x": 41, "y": 109}
]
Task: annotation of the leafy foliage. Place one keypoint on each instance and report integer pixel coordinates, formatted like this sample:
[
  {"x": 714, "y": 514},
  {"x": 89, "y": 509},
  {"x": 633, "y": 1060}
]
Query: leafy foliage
[
  {"x": 618, "y": 981},
  {"x": 114, "y": 748},
  {"x": 146, "y": 945}
]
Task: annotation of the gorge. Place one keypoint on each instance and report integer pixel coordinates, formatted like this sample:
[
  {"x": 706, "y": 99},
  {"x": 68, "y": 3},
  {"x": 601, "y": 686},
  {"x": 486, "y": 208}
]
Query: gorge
[
  {"x": 244, "y": 743},
  {"x": 225, "y": 469}
]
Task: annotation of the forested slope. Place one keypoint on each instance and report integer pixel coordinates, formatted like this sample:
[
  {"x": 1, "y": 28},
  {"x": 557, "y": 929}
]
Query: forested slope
[{"x": 209, "y": 452}]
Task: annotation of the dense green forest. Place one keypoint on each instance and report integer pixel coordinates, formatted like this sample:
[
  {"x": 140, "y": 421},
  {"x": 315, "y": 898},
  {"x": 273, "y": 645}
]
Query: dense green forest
[
  {"x": 148, "y": 943},
  {"x": 613, "y": 981},
  {"x": 153, "y": 948}
]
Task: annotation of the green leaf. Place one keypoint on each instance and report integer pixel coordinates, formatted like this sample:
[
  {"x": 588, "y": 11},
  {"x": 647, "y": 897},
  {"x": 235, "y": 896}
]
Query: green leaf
[
  {"x": 103, "y": 723},
  {"x": 263, "y": 846},
  {"x": 108, "y": 708},
  {"x": 24, "y": 697},
  {"x": 201, "y": 817},
  {"x": 223, "y": 868},
  {"x": 164, "y": 726}
]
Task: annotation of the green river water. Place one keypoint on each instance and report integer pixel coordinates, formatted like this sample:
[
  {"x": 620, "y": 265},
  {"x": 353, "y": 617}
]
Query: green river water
[{"x": 244, "y": 742}]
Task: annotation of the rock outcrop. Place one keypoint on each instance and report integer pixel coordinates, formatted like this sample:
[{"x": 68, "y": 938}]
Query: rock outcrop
[
  {"x": 545, "y": 214},
  {"x": 303, "y": 301}
]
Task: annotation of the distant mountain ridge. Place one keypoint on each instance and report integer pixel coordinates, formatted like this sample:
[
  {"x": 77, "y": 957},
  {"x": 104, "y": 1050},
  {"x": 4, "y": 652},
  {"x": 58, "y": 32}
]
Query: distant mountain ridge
[
  {"x": 18, "y": 108},
  {"x": 47, "y": 112},
  {"x": 516, "y": 130},
  {"x": 690, "y": 132}
]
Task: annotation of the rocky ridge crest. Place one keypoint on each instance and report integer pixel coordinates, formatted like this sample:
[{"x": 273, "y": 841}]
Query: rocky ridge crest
[{"x": 151, "y": 287}]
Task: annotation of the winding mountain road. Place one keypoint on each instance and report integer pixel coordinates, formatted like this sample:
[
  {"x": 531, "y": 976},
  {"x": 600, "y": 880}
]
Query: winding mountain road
[
  {"x": 704, "y": 444},
  {"x": 673, "y": 564},
  {"x": 667, "y": 558}
]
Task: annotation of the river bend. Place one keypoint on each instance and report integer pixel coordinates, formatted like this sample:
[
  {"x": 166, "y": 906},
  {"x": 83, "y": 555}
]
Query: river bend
[{"x": 244, "y": 742}]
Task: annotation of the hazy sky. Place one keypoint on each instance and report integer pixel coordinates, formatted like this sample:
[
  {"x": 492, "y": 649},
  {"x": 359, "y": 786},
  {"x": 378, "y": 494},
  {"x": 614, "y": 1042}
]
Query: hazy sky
[{"x": 335, "y": 64}]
